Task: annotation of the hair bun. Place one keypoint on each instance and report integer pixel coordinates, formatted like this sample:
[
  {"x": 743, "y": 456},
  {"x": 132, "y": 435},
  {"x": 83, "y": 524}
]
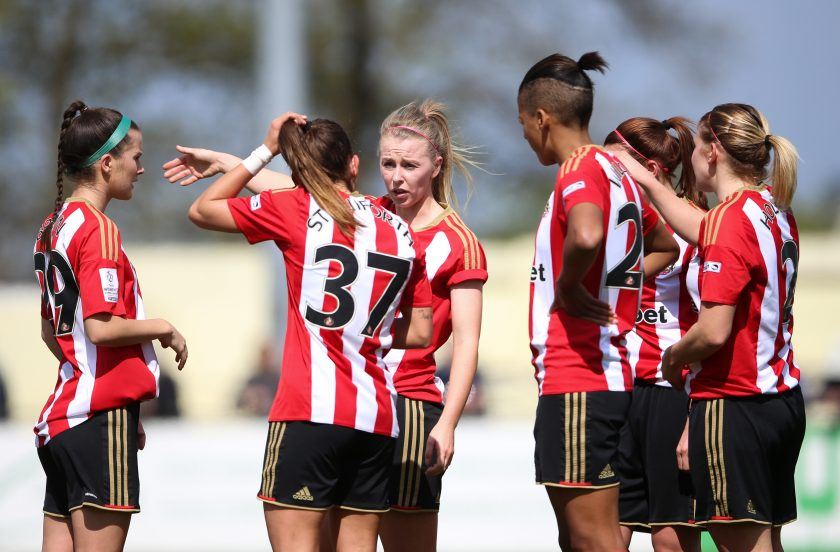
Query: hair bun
[{"x": 592, "y": 61}]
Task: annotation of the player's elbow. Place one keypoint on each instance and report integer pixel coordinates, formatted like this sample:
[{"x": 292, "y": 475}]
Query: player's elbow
[
  {"x": 587, "y": 238},
  {"x": 195, "y": 215},
  {"x": 420, "y": 334},
  {"x": 717, "y": 335}
]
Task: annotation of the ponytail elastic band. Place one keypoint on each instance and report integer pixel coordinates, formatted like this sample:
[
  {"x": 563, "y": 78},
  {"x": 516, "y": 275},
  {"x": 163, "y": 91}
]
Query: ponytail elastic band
[
  {"x": 415, "y": 131},
  {"x": 767, "y": 140},
  {"x": 626, "y": 143},
  {"x": 115, "y": 138}
]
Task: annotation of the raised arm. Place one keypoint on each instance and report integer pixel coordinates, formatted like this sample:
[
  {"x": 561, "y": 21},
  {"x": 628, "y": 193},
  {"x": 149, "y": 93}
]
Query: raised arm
[{"x": 196, "y": 163}]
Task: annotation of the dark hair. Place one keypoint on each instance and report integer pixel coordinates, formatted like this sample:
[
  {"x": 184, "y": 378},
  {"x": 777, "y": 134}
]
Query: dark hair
[
  {"x": 561, "y": 86},
  {"x": 319, "y": 155},
  {"x": 83, "y": 131},
  {"x": 651, "y": 139},
  {"x": 744, "y": 134}
]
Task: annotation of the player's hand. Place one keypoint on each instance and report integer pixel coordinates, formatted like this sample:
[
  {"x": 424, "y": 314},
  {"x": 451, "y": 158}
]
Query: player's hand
[
  {"x": 272, "y": 139},
  {"x": 176, "y": 341},
  {"x": 682, "y": 449},
  {"x": 672, "y": 372},
  {"x": 639, "y": 172},
  {"x": 440, "y": 448},
  {"x": 577, "y": 301},
  {"x": 141, "y": 436},
  {"x": 194, "y": 164}
]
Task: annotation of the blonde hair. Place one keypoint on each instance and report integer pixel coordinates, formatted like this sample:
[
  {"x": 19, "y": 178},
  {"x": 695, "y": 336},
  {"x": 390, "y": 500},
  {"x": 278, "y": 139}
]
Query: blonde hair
[
  {"x": 319, "y": 155},
  {"x": 428, "y": 120},
  {"x": 744, "y": 134}
]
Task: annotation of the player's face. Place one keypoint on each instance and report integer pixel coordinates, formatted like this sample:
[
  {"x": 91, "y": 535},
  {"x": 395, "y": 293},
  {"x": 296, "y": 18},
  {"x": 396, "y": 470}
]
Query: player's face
[
  {"x": 700, "y": 162},
  {"x": 533, "y": 134},
  {"x": 408, "y": 169},
  {"x": 126, "y": 167}
]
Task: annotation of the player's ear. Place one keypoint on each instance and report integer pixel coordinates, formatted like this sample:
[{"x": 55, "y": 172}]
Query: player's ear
[
  {"x": 542, "y": 117},
  {"x": 354, "y": 167}
]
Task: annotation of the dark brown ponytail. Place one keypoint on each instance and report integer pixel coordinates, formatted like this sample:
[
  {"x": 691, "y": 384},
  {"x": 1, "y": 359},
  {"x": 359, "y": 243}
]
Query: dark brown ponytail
[{"x": 319, "y": 155}]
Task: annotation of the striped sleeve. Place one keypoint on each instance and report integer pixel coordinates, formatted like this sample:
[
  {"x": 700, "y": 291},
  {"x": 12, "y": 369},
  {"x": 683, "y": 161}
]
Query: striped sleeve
[
  {"x": 471, "y": 263},
  {"x": 727, "y": 248},
  {"x": 269, "y": 216},
  {"x": 98, "y": 271}
]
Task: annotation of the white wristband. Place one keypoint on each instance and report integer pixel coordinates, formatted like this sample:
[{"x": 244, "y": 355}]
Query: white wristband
[{"x": 258, "y": 159}]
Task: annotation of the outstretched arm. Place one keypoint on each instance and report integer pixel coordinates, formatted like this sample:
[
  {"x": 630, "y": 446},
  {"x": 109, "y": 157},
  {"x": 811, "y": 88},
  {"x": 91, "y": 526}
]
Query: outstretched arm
[{"x": 196, "y": 163}]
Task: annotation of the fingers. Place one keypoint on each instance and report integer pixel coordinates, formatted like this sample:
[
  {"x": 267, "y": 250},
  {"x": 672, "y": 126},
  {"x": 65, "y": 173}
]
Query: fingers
[
  {"x": 172, "y": 163},
  {"x": 181, "y": 358}
]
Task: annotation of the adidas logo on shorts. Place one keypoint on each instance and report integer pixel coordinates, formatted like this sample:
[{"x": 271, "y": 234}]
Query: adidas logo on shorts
[
  {"x": 303, "y": 494},
  {"x": 606, "y": 472},
  {"x": 751, "y": 507}
]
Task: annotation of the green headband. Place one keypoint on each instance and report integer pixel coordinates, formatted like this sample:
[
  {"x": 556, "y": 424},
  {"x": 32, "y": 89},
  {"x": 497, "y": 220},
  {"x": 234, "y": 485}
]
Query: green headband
[{"x": 115, "y": 138}]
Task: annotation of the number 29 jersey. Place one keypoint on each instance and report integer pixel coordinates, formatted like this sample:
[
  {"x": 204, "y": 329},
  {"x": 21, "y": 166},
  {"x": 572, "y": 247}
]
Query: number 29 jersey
[
  {"x": 86, "y": 272},
  {"x": 343, "y": 294},
  {"x": 571, "y": 354}
]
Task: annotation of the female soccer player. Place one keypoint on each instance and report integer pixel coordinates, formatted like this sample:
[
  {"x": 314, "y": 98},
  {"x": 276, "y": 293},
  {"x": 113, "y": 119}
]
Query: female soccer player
[
  {"x": 655, "y": 494},
  {"x": 350, "y": 265},
  {"x": 93, "y": 321},
  {"x": 585, "y": 286},
  {"x": 747, "y": 418},
  {"x": 417, "y": 157}
]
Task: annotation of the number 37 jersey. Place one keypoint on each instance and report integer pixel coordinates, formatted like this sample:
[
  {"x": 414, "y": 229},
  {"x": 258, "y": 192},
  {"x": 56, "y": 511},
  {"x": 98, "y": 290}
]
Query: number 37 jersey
[
  {"x": 343, "y": 295},
  {"x": 571, "y": 354}
]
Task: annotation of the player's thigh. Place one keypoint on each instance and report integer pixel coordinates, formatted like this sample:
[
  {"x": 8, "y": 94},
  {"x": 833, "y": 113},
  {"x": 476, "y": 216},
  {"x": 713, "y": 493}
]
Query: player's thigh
[
  {"x": 588, "y": 517},
  {"x": 99, "y": 530},
  {"x": 742, "y": 537},
  {"x": 675, "y": 538},
  {"x": 292, "y": 529},
  {"x": 409, "y": 532},
  {"x": 57, "y": 534},
  {"x": 357, "y": 531}
]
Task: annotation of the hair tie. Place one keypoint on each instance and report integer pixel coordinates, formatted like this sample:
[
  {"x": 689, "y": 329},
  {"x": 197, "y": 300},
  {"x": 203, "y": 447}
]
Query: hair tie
[
  {"x": 666, "y": 124},
  {"x": 419, "y": 133},
  {"x": 626, "y": 143},
  {"x": 767, "y": 140}
]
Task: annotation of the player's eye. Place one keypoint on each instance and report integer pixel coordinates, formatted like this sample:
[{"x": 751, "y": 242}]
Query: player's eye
[{"x": 387, "y": 163}]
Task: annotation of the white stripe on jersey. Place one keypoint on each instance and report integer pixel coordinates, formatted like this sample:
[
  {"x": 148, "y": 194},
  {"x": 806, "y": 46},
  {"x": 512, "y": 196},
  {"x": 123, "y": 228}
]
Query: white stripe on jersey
[
  {"x": 312, "y": 292},
  {"x": 669, "y": 294},
  {"x": 362, "y": 290},
  {"x": 766, "y": 379},
  {"x": 65, "y": 372},
  {"x": 615, "y": 248},
  {"x": 634, "y": 346},
  {"x": 437, "y": 252},
  {"x": 543, "y": 294},
  {"x": 149, "y": 355}
]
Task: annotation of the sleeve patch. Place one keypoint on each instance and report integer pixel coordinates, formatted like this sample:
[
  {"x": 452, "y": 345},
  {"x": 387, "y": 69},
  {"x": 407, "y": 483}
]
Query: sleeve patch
[
  {"x": 712, "y": 266},
  {"x": 571, "y": 188},
  {"x": 256, "y": 202},
  {"x": 110, "y": 284}
]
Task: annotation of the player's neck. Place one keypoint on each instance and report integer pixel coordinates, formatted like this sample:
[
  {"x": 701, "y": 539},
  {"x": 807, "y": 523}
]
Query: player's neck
[
  {"x": 422, "y": 213},
  {"x": 92, "y": 195},
  {"x": 564, "y": 141},
  {"x": 728, "y": 184}
]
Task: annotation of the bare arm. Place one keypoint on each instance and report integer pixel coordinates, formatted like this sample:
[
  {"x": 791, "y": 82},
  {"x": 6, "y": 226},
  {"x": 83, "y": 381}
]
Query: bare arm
[
  {"x": 196, "y": 163},
  {"x": 48, "y": 337},
  {"x": 414, "y": 329},
  {"x": 679, "y": 213},
  {"x": 661, "y": 250},
  {"x": 113, "y": 331},
  {"x": 714, "y": 324},
  {"x": 466, "y": 328}
]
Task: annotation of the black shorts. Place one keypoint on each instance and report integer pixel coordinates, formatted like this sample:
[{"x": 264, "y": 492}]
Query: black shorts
[
  {"x": 317, "y": 466},
  {"x": 411, "y": 489},
  {"x": 577, "y": 436},
  {"x": 653, "y": 489},
  {"x": 742, "y": 453},
  {"x": 94, "y": 464}
]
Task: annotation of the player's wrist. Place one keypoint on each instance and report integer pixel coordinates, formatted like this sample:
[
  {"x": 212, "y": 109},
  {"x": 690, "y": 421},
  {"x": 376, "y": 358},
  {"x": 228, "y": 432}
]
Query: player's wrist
[{"x": 258, "y": 159}]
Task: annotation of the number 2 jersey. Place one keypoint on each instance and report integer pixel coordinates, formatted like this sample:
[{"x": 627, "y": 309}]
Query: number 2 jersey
[
  {"x": 571, "y": 354},
  {"x": 750, "y": 254},
  {"x": 343, "y": 296},
  {"x": 453, "y": 256},
  {"x": 86, "y": 272}
]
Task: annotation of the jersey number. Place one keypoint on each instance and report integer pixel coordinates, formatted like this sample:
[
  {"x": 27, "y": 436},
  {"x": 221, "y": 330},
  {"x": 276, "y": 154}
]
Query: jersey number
[
  {"x": 65, "y": 299},
  {"x": 337, "y": 286},
  {"x": 789, "y": 253},
  {"x": 622, "y": 275}
]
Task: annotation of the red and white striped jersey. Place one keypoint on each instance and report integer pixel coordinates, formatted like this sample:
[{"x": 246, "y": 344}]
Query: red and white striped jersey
[
  {"x": 571, "y": 354},
  {"x": 453, "y": 255},
  {"x": 343, "y": 295},
  {"x": 87, "y": 272},
  {"x": 669, "y": 307},
  {"x": 750, "y": 254}
]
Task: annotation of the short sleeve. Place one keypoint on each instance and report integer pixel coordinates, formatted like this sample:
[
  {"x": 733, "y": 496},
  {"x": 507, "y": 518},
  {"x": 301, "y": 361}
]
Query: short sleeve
[
  {"x": 726, "y": 270},
  {"x": 100, "y": 276},
  {"x": 650, "y": 218},
  {"x": 471, "y": 265},
  {"x": 268, "y": 216},
  {"x": 587, "y": 184},
  {"x": 418, "y": 291}
]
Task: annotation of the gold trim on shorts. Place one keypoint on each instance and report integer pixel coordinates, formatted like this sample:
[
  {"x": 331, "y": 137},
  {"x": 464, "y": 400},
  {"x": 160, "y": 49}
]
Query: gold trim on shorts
[
  {"x": 713, "y": 435},
  {"x": 272, "y": 453},
  {"x": 574, "y": 425},
  {"x": 118, "y": 479},
  {"x": 411, "y": 470}
]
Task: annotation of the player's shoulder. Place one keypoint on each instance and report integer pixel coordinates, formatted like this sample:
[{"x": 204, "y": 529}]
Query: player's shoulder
[
  {"x": 91, "y": 227},
  {"x": 463, "y": 241},
  {"x": 729, "y": 217}
]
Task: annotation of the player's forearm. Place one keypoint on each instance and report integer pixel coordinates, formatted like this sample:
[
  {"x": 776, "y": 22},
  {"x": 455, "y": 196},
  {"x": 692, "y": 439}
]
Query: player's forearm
[
  {"x": 264, "y": 180},
  {"x": 461, "y": 376},
  {"x": 577, "y": 260},
  {"x": 413, "y": 331},
  {"x": 114, "y": 331},
  {"x": 680, "y": 215},
  {"x": 657, "y": 262},
  {"x": 699, "y": 342}
]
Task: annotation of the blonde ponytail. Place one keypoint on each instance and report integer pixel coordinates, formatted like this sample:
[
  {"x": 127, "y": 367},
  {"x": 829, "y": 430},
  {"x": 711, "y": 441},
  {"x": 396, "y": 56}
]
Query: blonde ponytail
[{"x": 783, "y": 177}]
